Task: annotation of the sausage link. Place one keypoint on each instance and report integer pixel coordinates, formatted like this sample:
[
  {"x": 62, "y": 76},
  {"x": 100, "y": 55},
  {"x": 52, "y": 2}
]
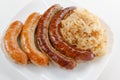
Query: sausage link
[
  {"x": 60, "y": 44},
  {"x": 11, "y": 45},
  {"x": 44, "y": 43},
  {"x": 28, "y": 41}
]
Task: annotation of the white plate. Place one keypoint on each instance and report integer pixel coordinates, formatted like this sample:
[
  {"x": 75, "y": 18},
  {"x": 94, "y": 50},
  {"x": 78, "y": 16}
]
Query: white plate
[{"x": 84, "y": 71}]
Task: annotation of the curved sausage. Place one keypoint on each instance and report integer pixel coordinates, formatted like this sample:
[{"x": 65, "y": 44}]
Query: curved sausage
[
  {"x": 27, "y": 40},
  {"x": 59, "y": 43},
  {"x": 44, "y": 43},
  {"x": 11, "y": 44}
]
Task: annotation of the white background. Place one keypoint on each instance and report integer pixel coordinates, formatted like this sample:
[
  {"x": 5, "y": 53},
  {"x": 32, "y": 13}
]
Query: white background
[{"x": 108, "y": 10}]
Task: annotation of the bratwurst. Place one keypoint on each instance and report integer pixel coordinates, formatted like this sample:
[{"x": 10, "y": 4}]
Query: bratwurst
[
  {"x": 27, "y": 40},
  {"x": 58, "y": 41},
  {"x": 44, "y": 43},
  {"x": 11, "y": 44}
]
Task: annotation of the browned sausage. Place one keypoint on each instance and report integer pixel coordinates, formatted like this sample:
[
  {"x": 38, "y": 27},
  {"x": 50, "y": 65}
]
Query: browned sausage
[
  {"x": 44, "y": 43},
  {"x": 59, "y": 43},
  {"x": 11, "y": 44},
  {"x": 28, "y": 41}
]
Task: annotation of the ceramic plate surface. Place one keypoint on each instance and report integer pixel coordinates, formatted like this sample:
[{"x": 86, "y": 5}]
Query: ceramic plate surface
[{"x": 84, "y": 71}]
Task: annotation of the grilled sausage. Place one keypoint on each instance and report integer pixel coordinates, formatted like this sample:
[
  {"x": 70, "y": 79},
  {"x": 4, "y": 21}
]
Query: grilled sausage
[
  {"x": 44, "y": 43},
  {"x": 60, "y": 44},
  {"x": 28, "y": 41},
  {"x": 11, "y": 43}
]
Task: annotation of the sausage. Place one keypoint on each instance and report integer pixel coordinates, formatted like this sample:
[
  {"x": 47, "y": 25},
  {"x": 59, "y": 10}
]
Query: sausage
[
  {"x": 27, "y": 40},
  {"x": 59, "y": 43},
  {"x": 44, "y": 43},
  {"x": 11, "y": 44}
]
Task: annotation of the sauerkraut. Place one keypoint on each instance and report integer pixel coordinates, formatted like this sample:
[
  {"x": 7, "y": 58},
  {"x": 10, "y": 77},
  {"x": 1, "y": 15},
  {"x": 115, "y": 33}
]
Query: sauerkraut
[{"x": 83, "y": 30}]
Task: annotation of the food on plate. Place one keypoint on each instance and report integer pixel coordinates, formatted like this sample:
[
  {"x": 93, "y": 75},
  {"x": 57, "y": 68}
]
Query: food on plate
[
  {"x": 11, "y": 44},
  {"x": 27, "y": 40},
  {"x": 83, "y": 30},
  {"x": 58, "y": 41},
  {"x": 44, "y": 43},
  {"x": 66, "y": 36}
]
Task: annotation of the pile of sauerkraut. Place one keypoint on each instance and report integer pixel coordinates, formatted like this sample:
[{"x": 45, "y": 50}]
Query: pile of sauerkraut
[{"x": 83, "y": 30}]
